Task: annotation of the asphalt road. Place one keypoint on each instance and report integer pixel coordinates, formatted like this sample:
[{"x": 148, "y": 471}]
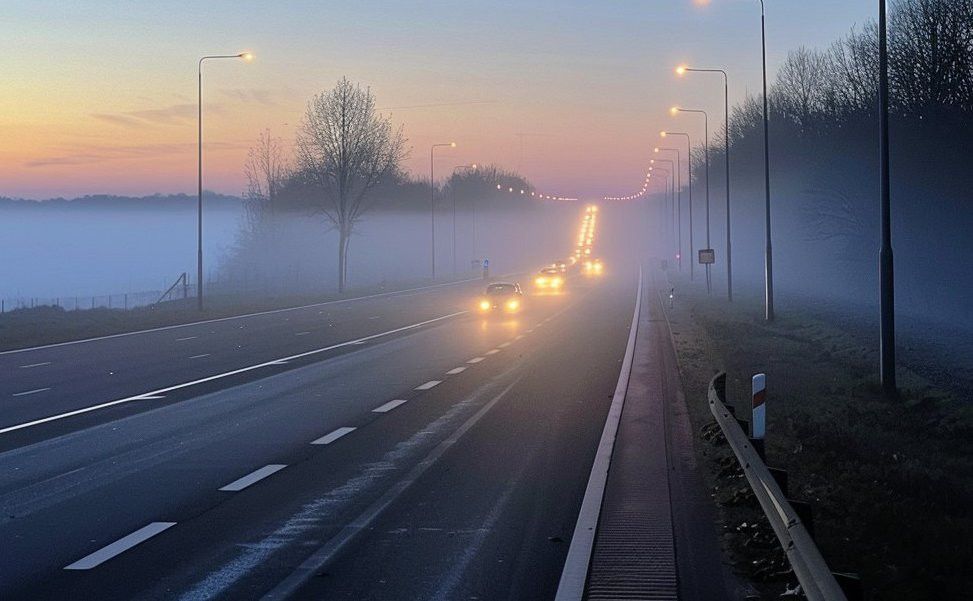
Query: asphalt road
[{"x": 396, "y": 447}]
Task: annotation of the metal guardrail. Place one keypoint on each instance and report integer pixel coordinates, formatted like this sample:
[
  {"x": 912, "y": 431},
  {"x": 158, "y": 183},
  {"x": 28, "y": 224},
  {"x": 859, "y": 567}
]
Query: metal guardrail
[{"x": 817, "y": 581}]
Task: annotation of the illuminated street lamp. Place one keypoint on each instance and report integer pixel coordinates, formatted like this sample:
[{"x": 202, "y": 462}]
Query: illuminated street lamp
[
  {"x": 675, "y": 111},
  {"x": 432, "y": 201},
  {"x": 247, "y": 57},
  {"x": 682, "y": 70},
  {"x": 689, "y": 163}
]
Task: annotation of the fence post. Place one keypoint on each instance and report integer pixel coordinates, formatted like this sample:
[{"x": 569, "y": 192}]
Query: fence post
[{"x": 758, "y": 419}]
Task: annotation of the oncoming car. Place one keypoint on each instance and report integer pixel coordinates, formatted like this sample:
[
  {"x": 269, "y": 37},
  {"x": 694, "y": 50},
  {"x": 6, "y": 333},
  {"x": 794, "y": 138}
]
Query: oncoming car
[
  {"x": 593, "y": 267},
  {"x": 549, "y": 278},
  {"x": 501, "y": 297}
]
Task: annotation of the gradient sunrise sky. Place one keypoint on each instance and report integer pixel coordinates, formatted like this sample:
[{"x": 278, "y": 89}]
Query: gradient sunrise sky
[{"x": 100, "y": 96}]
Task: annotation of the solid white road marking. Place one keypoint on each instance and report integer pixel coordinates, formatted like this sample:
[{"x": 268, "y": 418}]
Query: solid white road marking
[
  {"x": 455, "y": 370},
  {"x": 234, "y": 372},
  {"x": 493, "y": 352},
  {"x": 35, "y": 391},
  {"x": 575, "y": 571},
  {"x": 35, "y": 365},
  {"x": 186, "y": 338},
  {"x": 200, "y": 356},
  {"x": 120, "y": 546},
  {"x": 429, "y": 384},
  {"x": 475, "y": 360},
  {"x": 388, "y": 406},
  {"x": 253, "y": 477},
  {"x": 333, "y": 436},
  {"x": 234, "y": 317}
]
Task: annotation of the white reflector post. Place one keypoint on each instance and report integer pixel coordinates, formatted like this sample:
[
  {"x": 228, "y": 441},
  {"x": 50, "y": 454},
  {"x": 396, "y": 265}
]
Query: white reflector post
[{"x": 759, "y": 387}]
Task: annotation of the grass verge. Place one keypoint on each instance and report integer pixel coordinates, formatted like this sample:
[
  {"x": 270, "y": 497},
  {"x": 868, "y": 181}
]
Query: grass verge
[{"x": 890, "y": 481}]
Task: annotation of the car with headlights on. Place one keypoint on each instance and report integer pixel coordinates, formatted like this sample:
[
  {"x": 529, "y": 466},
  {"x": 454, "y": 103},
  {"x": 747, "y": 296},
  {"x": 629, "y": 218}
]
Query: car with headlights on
[
  {"x": 549, "y": 279},
  {"x": 501, "y": 297}
]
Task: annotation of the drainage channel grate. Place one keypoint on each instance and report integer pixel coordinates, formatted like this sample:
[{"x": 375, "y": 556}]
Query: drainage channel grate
[{"x": 634, "y": 552}]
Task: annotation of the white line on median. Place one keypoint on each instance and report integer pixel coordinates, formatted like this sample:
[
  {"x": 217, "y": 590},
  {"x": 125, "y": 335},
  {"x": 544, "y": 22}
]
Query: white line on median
[
  {"x": 26, "y": 392},
  {"x": 388, "y": 406},
  {"x": 120, "y": 546},
  {"x": 456, "y": 370},
  {"x": 253, "y": 477},
  {"x": 429, "y": 384},
  {"x": 475, "y": 360},
  {"x": 333, "y": 436},
  {"x": 35, "y": 365},
  {"x": 234, "y": 372}
]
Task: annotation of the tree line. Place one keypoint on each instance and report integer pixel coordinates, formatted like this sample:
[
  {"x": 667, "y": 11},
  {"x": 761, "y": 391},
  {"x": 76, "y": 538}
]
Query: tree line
[{"x": 347, "y": 161}]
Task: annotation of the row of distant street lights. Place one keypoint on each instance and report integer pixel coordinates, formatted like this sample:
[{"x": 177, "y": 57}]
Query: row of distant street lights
[{"x": 886, "y": 271}]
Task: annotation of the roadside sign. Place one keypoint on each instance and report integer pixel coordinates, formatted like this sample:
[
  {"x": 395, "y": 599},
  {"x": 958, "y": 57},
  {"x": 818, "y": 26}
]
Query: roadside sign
[
  {"x": 707, "y": 256},
  {"x": 486, "y": 263}
]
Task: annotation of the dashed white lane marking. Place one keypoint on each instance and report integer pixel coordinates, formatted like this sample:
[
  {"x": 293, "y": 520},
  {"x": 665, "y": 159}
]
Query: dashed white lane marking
[
  {"x": 475, "y": 360},
  {"x": 186, "y": 338},
  {"x": 429, "y": 384},
  {"x": 120, "y": 546},
  {"x": 302, "y": 334},
  {"x": 493, "y": 352},
  {"x": 333, "y": 436},
  {"x": 200, "y": 356},
  {"x": 252, "y": 477},
  {"x": 519, "y": 336},
  {"x": 227, "y": 374},
  {"x": 456, "y": 370},
  {"x": 388, "y": 406},
  {"x": 35, "y": 391},
  {"x": 528, "y": 331},
  {"x": 35, "y": 365},
  {"x": 504, "y": 345}
]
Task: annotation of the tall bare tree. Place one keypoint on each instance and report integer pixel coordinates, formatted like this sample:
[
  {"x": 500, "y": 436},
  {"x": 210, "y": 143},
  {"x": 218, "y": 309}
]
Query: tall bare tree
[
  {"x": 266, "y": 170},
  {"x": 801, "y": 91},
  {"x": 344, "y": 149}
]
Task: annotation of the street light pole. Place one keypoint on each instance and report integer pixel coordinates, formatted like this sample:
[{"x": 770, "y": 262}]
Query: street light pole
[
  {"x": 678, "y": 200},
  {"x": 466, "y": 168},
  {"x": 199, "y": 169},
  {"x": 726, "y": 162},
  {"x": 768, "y": 252},
  {"x": 689, "y": 166},
  {"x": 705, "y": 115},
  {"x": 672, "y": 182},
  {"x": 886, "y": 271},
  {"x": 432, "y": 202}
]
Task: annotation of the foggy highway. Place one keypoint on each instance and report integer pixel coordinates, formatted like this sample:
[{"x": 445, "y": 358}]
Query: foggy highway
[{"x": 234, "y": 482}]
